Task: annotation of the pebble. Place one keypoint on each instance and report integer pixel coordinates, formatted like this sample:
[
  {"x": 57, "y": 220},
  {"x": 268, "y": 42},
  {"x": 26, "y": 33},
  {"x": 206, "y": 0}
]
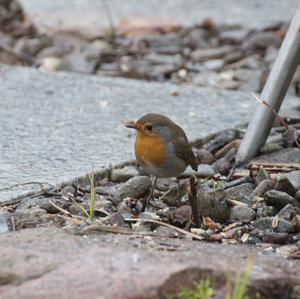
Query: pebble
[
  {"x": 242, "y": 213},
  {"x": 239, "y": 191},
  {"x": 289, "y": 182},
  {"x": 262, "y": 175},
  {"x": 266, "y": 224},
  {"x": 206, "y": 171},
  {"x": 212, "y": 53},
  {"x": 263, "y": 40},
  {"x": 135, "y": 187},
  {"x": 120, "y": 175},
  {"x": 288, "y": 212},
  {"x": 181, "y": 216},
  {"x": 277, "y": 238},
  {"x": 263, "y": 187},
  {"x": 204, "y": 156},
  {"x": 279, "y": 199},
  {"x": 222, "y": 165}
]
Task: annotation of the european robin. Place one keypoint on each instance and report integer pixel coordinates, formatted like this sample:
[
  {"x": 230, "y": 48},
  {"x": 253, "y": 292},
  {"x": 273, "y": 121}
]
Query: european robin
[{"x": 161, "y": 147}]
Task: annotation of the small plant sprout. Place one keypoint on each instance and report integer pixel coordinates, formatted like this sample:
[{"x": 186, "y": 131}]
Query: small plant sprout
[
  {"x": 90, "y": 213},
  {"x": 202, "y": 290}
]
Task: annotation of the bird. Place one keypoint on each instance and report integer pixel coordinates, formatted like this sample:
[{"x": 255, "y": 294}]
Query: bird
[{"x": 161, "y": 148}]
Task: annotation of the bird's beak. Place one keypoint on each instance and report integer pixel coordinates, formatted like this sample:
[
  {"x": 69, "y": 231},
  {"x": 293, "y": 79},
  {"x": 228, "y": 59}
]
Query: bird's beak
[{"x": 130, "y": 124}]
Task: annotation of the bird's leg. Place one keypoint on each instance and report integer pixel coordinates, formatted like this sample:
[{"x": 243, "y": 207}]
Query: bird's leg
[{"x": 150, "y": 195}]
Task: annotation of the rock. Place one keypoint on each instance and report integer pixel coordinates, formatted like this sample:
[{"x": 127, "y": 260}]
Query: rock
[
  {"x": 75, "y": 209},
  {"x": 196, "y": 39},
  {"x": 205, "y": 171},
  {"x": 242, "y": 213},
  {"x": 31, "y": 213},
  {"x": 135, "y": 187},
  {"x": 222, "y": 166},
  {"x": 263, "y": 187},
  {"x": 263, "y": 40},
  {"x": 212, "y": 53},
  {"x": 32, "y": 46},
  {"x": 266, "y": 211},
  {"x": 279, "y": 199},
  {"x": 102, "y": 203},
  {"x": 288, "y": 212},
  {"x": 239, "y": 191},
  {"x": 181, "y": 216},
  {"x": 277, "y": 238},
  {"x": 235, "y": 36},
  {"x": 261, "y": 176},
  {"x": 80, "y": 61},
  {"x": 172, "y": 197},
  {"x": 288, "y": 155},
  {"x": 3, "y": 224},
  {"x": 289, "y": 182},
  {"x": 204, "y": 156},
  {"x": 266, "y": 224},
  {"x": 52, "y": 51},
  {"x": 155, "y": 58},
  {"x": 213, "y": 64},
  {"x": 43, "y": 203},
  {"x": 120, "y": 175},
  {"x": 212, "y": 204}
]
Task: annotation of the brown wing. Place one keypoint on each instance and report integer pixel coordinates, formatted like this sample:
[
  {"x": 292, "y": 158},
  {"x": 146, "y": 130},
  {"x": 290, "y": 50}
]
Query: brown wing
[{"x": 183, "y": 149}]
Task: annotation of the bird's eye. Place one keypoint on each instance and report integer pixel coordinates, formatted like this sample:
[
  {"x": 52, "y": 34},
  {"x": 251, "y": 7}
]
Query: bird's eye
[{"x": 148, "y": 127}]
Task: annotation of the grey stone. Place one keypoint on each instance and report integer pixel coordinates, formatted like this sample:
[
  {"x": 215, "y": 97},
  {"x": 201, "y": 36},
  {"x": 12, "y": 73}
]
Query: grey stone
[
  {"x": 71, "y": 124},
  {"x": 213, "y": 53},
  {"x": 242, "y": 213},
  {"x": 135, "y": 187},
  {"x": 32, "y": 46},
  {"x": 263, "y": 187},
  {"x": 288, "y": 212},
  {"x": 279, "y": 199},
  {"x": 262, "y": 40},
  {"x": 289, "y": 182},
  {"x": 266, "y": 211},
  {"x": 3, "y": 224},
  {"x": 265, "y": 223},
  {"x": 239, "y": 190},
  {"x": 204, "y": 156},
  {"x": 120, "y": 175},
  {"x": 213, "y": 64},
  {"x": 56, "y": 16},
  {"x": 235, "y": 35},
  {"x": 261, "y": 176},
  {"x": 206, "y": 171},
  {"x": 78, "y": 62},
  {"x": 277, "y": 238},
  {"x": 288, "y": 155}
]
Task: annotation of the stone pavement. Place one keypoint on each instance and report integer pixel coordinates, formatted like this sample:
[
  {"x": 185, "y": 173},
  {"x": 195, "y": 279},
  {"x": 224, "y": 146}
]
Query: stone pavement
[
  {"x": 56, "y": 127},
  {"x": 50, "y": 263},
  {"x": 91, "y": 16}
]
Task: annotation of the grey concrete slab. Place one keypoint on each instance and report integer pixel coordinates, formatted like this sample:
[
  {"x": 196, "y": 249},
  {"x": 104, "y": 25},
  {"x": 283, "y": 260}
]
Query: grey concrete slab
[
  {"x": 91, "y": 16},
  {"x": 59, "y": 126}
]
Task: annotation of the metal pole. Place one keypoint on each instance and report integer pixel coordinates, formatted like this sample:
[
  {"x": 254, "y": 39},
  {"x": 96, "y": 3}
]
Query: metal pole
[{"x": 273, "y": 93}]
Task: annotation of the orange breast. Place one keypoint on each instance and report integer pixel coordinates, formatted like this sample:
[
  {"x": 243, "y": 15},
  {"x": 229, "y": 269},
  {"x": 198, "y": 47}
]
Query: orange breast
[{"x": 149, "y": 149}]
